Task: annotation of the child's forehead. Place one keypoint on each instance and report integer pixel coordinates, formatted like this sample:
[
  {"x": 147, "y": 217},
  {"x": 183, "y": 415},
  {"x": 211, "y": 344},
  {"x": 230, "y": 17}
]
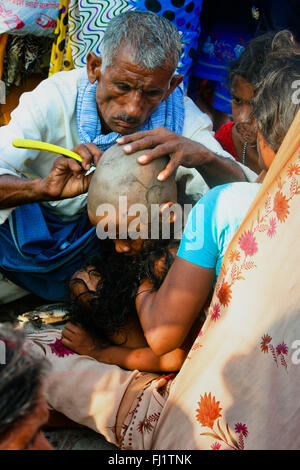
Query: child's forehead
[{"x": 242, "y": 88}]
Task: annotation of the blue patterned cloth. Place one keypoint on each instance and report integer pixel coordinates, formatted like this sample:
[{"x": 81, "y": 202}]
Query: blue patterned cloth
[
  {"x": 40, "y": 252},
  {"x": 185, "y": 15},
  {"x": 169, "y": 114},
  {"x": 227, "y": 29}
]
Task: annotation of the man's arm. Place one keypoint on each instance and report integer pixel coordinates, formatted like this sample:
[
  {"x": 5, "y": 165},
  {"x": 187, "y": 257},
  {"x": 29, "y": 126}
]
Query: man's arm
[{"x": 67, "y": 179}]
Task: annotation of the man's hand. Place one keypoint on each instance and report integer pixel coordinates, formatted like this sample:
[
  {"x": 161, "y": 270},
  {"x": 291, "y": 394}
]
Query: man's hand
[
  {"x": 66, "y": 179},
  {"x": 89, "y": 153},
  {"x": 78, "y": 340},
  {"x": 182, "y": 151},
  {"x": 213, "y": 168}
]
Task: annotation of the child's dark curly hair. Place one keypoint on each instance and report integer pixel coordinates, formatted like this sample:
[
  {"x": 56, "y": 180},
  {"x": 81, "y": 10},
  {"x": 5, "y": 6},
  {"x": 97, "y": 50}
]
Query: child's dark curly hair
[{"x": 106, "y": 310}]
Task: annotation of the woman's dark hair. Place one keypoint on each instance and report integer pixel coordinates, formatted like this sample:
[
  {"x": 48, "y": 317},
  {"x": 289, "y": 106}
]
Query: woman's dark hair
[
  {"x": 251, "y": 62},
  {"x": 278, "y": 98},
  {"x": 20, "y": 379},
  {"x": 106, "y": 310}
]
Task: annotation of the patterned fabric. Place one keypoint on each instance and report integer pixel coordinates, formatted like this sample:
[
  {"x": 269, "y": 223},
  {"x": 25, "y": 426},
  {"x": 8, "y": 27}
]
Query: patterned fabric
[
  {"x": 170, "y": 114},
  {"x": 88, "y": 20},
  {"x": 186, "y": 17},
  {"x": 25, "y": 56},
  {"x": 61, "y": 56},
  {"x": 224, "y": 136},
  {"x": 213, "y": 222},
  {"x": 19, "y": 17}
]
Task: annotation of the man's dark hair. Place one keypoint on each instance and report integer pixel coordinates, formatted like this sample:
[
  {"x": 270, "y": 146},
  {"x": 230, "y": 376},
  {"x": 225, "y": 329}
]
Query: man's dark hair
[
  {"x": 277, "y": 100},
  {"x": 20, "y": 378}
]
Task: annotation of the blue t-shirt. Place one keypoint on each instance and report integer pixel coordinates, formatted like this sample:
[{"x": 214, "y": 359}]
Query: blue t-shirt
[{"x": 213, "y": 221}]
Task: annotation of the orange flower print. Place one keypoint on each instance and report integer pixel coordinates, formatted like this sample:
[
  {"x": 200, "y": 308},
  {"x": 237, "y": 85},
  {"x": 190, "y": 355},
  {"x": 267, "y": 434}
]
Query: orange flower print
[
  {"x": 234, "y": 256},
  {"x": 281, "y": 206},
  {"x": 208, "y": 411},
  {"x": 265, "y": 340},
  {"x": 248, "y": 243},
  {"x": 293, "y": 169},
  {"x": 224, "y": 294}
]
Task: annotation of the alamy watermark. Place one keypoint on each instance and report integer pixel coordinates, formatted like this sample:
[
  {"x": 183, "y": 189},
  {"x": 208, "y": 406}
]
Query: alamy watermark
[
  {"x": 2, "y": 352},
  {"x": 296, "y": 94},
  {"x": 2, "y": 92},
  {"x": 296, "y": 354},
  {"x": 161, "y": 221}
]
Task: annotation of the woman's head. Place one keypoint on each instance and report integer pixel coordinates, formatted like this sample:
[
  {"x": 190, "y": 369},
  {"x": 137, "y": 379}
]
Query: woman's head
[
  {"x": 247, "y": 72},
  {"x": 277, "y": 101}
]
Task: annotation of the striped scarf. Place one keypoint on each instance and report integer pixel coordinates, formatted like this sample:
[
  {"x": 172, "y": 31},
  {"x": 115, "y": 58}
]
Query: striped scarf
[{"x": 169, "y": 114}]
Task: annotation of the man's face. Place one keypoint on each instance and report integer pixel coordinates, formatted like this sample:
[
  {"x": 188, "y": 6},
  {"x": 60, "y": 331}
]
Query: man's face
[
  {"x": 26, "y": 434},
  {"x": 127, "y": 94}
]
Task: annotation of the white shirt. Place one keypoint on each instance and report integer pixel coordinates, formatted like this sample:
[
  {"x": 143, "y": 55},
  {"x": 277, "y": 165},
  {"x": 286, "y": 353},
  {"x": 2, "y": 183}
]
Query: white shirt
[{"x": 48, "y": 114}]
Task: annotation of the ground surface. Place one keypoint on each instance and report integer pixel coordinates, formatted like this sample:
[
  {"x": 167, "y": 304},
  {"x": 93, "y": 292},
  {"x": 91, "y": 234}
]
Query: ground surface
[{"x": 60, "y": 439}]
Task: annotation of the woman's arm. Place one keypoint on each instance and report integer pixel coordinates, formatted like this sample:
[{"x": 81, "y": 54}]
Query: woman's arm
[
  {"x": 167, "y": 315},
  {"x": 141, "y": 358},
  {"x": 81, "y": 342}
]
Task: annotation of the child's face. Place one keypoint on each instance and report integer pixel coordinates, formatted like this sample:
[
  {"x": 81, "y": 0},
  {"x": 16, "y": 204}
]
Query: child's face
[{"x": 242, "y": 93}]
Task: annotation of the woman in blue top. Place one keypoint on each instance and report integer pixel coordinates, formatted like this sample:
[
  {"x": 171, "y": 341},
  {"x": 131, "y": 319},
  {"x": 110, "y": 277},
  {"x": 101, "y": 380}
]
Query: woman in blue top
[{"x": 167, "y": 316}]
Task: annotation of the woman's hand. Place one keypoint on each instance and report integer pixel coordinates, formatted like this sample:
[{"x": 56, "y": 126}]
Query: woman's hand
[{"x": 79, "y": 341}]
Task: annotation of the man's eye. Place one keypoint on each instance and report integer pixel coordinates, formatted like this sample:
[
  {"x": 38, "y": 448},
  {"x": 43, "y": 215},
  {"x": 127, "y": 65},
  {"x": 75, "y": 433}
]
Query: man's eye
[{"x": 123, "y": 86}]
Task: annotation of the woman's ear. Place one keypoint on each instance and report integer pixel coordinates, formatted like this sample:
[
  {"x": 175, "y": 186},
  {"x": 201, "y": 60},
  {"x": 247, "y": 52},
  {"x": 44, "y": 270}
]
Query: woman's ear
[
  {"x": 266, "y": 153},
  {"x": 93, "y": 65}
]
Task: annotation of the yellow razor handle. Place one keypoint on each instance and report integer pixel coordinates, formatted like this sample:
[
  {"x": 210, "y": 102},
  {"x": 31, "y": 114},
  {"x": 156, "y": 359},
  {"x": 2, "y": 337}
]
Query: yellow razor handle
[{"x": 38, "y": 145}]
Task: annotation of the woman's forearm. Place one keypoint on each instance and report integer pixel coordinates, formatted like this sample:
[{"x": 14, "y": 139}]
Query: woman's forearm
[{"x": 141, "y": 358}]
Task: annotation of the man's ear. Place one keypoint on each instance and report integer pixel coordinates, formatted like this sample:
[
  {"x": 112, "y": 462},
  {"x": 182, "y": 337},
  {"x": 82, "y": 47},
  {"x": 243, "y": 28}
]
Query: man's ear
[
  {"x": 175, "y": 82},
  {"x": 93, "y": 65}
]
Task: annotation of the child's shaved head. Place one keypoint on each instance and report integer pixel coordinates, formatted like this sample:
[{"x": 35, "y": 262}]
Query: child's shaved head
[{"x": 118, "y": 174}]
